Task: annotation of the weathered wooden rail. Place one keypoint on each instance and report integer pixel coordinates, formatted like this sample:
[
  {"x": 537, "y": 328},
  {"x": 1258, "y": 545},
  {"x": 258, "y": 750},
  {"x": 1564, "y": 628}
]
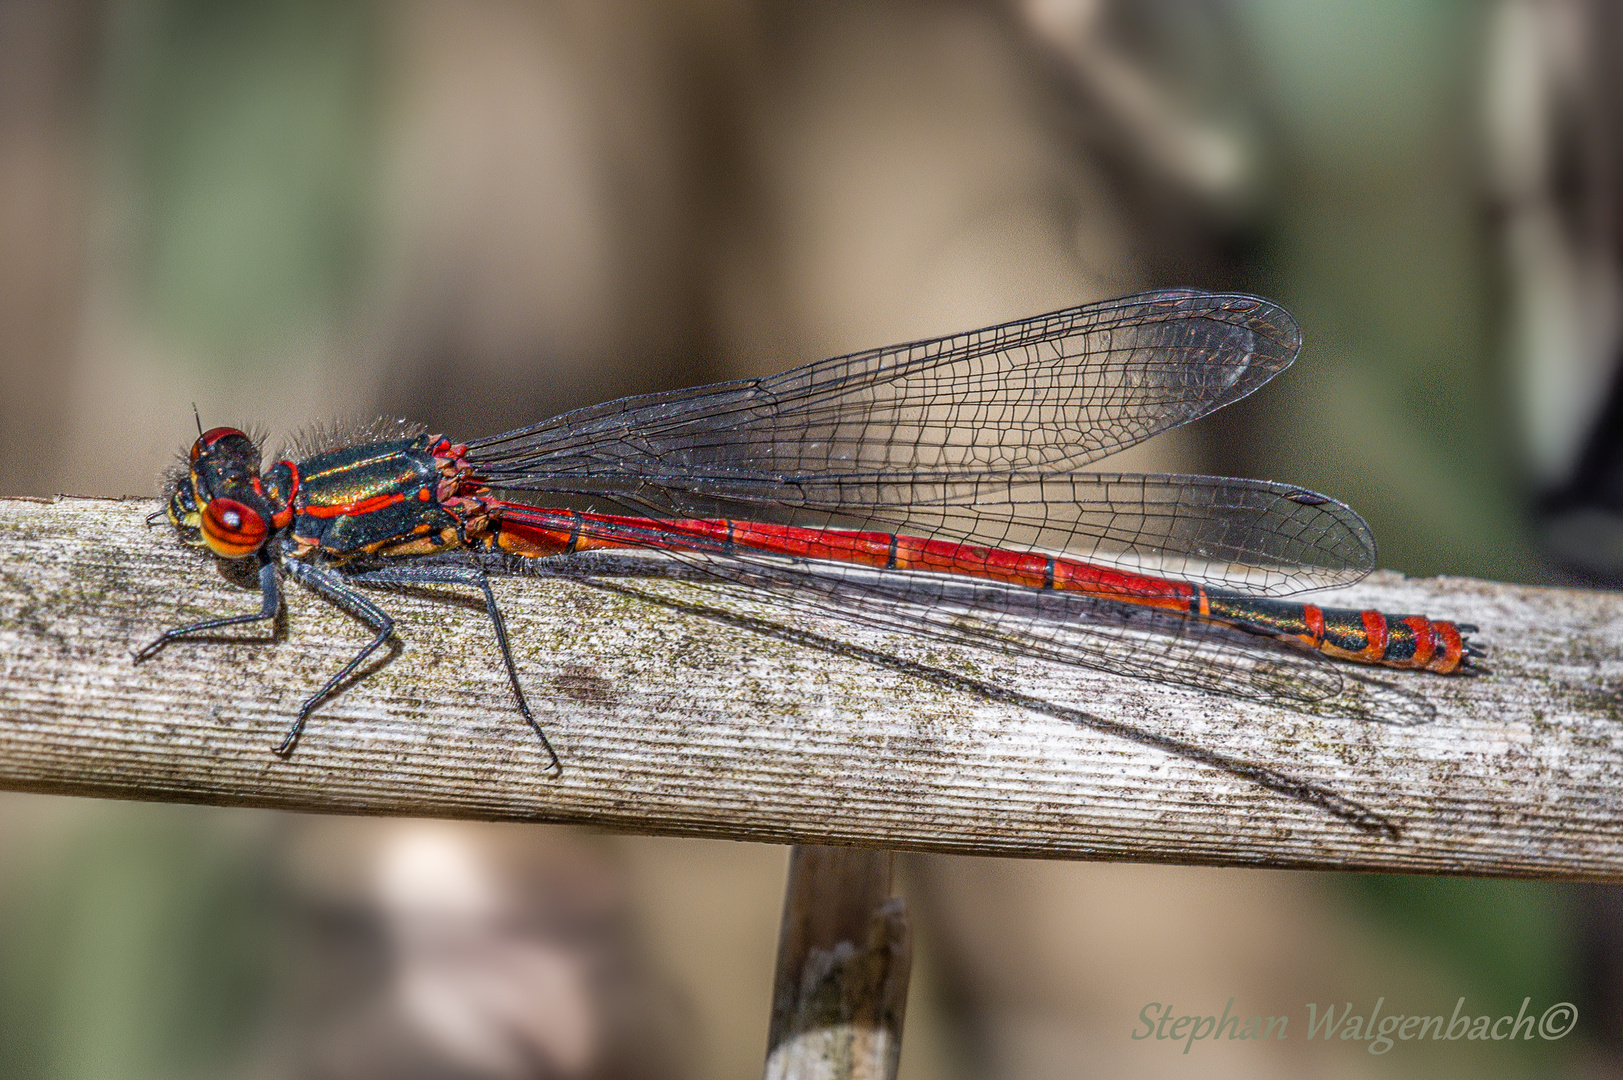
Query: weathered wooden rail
[{"x": 774, "y": 725}]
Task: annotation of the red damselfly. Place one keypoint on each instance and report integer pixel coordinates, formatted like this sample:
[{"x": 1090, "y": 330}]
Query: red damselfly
[{"x": 936, "y": 487}]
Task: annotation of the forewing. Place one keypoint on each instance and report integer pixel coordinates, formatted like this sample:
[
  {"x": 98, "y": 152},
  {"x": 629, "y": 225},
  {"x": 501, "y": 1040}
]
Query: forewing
[{"x": 1046, "y": 394}]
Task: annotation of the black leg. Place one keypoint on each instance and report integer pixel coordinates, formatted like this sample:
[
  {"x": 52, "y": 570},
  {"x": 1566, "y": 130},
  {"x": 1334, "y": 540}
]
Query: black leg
[
  {"x": 270, "y": 593},
  {"x": 467, "y": 575},
  {"x": 335, "y": 587}
]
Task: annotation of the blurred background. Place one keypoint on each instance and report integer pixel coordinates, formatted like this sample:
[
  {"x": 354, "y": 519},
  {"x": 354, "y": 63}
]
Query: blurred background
[{"x": 479, "y": 212}]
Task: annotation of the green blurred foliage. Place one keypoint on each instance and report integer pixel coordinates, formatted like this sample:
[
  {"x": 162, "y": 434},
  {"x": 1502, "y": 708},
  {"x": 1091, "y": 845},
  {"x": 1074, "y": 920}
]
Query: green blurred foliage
[
  {"x": 243, "y": 137},
  {"x": 135, "y": 941},
  {"x": 1503, "y": 940},
  {"x": 1378, "y": 240}
]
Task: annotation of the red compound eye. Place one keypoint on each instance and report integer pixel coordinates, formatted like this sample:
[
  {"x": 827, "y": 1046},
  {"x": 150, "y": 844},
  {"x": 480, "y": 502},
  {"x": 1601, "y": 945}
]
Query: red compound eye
[
  {"x": 212, "y": 436},
  {"x": 231, "y": 529}
]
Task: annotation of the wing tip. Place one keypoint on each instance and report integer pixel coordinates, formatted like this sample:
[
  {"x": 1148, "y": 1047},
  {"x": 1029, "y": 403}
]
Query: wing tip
[
  {"x": 1265, "y": 318},
  {"x": 1334, "y": 517}
]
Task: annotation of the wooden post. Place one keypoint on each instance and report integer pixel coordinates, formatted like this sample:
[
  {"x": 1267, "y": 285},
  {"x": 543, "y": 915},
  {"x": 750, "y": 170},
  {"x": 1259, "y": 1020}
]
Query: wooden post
[
  {"x": 679, "y": 711},
  {"x": 844, "y": 955}
]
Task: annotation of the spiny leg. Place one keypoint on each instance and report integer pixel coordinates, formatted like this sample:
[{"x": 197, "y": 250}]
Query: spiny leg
[
  {"x": 270, "y": 592},
  {"x": 334, "y": 586},
  {"x": 466, "y": 575}
]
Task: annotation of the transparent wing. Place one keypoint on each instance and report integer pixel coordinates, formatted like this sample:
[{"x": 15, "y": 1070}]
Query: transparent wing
[
  {"x": 1050, "y": 393},
  {"x": 975, "y": 438}
]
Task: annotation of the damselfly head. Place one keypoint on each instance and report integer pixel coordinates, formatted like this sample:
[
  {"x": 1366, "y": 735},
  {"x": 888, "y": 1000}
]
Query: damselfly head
[
  {"x": 225, "y": 445},
  {"x": 219, "y": 502}
]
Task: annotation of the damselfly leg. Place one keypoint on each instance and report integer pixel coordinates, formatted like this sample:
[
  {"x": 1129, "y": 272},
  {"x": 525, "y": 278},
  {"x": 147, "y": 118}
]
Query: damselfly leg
[
  {"x": 329, "y": 583},
  {"x": 270, "y": 590},
  {"x": 478, "y": 579},
  {"x": 337, "y": 587}
]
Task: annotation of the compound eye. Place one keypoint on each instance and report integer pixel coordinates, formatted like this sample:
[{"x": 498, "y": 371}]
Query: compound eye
[
  {"x": 206, "y": 441},
  {"x": 231, "y": 529}
]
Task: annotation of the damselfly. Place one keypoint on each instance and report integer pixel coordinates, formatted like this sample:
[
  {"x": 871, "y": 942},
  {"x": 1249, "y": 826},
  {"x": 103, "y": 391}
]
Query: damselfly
[{"x": 936, "y": 487}]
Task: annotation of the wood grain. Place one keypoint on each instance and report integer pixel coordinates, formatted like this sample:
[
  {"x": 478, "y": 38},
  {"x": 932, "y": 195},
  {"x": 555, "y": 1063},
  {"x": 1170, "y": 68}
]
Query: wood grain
[{"x": 769, "y": 724}]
